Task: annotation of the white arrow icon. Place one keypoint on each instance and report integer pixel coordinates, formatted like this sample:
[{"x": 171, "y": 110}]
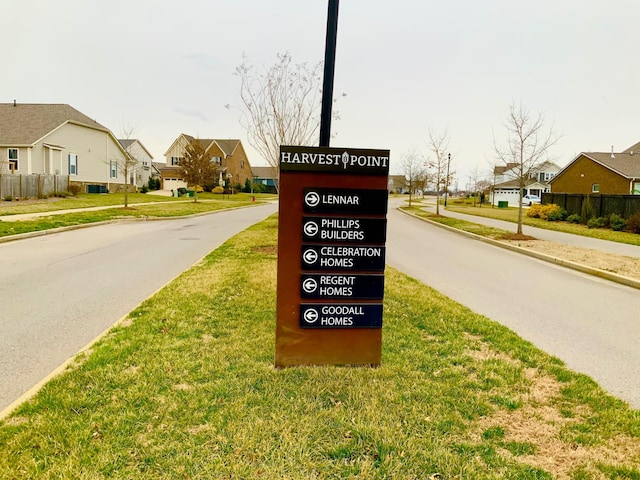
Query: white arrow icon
[
  {"x": 310, "y": 315},
  {"x": 311, "y": 229},
  {"x": 310, "y": 256},
  {"x": 312, "y": 199},
  {"x": 309, "y": 285}
]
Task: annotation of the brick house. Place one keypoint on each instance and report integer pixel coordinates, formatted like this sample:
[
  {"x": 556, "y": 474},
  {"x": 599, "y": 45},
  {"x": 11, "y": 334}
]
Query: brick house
[{"x": 601, "y": 173}]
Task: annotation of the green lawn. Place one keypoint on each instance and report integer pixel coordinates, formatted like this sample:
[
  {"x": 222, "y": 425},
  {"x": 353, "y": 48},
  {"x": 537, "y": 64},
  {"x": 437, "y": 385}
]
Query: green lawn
[
  {"x": 511, "y": 215},
  {"x": 157, "y": 207},
  {"x": 185, "y": 387}
]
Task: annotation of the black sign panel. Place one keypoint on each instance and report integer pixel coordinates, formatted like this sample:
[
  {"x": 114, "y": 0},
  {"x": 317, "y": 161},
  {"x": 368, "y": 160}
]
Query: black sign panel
[
  {"x": 334, "y": 160},
  {"x": 344, "y": 230},
  {"x": 342, "y": 286},
  {"x": 340, "y": 315},
  {"x": 343, "y": 200},
  {"x": 343, "y": 257}
]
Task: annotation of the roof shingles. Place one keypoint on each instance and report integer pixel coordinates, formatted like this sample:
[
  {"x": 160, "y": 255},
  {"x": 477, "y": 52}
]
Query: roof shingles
[{"x": 26, "y": 123}]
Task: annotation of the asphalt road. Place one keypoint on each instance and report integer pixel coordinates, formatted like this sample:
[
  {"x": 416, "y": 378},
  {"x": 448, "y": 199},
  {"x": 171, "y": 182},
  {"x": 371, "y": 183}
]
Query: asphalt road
[
  {"x": 590, "y": 323},
  {"x": 59, "y": 291}
]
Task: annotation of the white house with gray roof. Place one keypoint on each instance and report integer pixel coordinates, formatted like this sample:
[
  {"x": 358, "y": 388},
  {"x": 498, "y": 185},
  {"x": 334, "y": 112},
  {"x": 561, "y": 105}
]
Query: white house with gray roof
[{"x": 58, "y": 139}]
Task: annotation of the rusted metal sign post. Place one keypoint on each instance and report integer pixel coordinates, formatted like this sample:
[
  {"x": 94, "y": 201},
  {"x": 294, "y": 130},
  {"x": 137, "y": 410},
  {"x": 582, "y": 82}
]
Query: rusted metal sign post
[{"x": 331, "y": 255}]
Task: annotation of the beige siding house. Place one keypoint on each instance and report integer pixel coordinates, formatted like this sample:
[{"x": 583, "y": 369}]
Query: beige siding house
[
  {"x": 144, "y": 168},
  {"x": 58, "y": 139}
]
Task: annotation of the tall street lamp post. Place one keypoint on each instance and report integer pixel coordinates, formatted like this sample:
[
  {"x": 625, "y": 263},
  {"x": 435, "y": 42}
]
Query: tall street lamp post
[{"x": 446, "y": 182}]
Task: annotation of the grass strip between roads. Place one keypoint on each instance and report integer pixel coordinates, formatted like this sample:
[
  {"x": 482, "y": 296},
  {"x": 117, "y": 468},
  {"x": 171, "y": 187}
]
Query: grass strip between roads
[
  {"x": 185, "y": 387},
  {"x": 154, "y": 209}
]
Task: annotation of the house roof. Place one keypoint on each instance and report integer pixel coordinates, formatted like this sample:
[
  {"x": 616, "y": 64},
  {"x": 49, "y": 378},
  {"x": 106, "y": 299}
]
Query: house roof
[
  {"x": 515, "y": 183},
  {"x": 625, "y": 164},
  {"x": 264, "y": 172},
  {"x": 228, "y": 146},
  {"x": 26, "y": 123},
  {"x": 127, "y": 142}
]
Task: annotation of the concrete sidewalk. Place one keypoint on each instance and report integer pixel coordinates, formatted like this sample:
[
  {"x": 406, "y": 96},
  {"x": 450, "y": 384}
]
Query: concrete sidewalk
[{"x": 543, "y": 234}]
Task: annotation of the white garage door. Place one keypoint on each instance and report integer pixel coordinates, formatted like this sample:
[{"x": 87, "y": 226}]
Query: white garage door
[{"x": 173, "y": 183}]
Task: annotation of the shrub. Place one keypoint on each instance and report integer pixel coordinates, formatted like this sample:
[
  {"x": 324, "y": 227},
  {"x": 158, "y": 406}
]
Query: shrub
[
  {"x": 74, "y": 188},
  {"x": 575, "y": 218},
  {"x": 599, "y": 222},
  {"x": 8, "y": 198},
  {"x": 557, "y": 215},
  {"x": 633, "y": 223},
  {"x": 144, "y": 189},
  {"x": 617, "y": 223},
  {"x": 587, "y": 211},
  {"x": 259, "y": 188},
  {"x": 545, "y": 212},
  {"x": 218, "y": 190}
]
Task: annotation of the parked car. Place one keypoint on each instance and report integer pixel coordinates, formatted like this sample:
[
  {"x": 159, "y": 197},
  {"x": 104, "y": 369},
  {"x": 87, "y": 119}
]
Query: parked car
[{"x": 530, "y": 200}]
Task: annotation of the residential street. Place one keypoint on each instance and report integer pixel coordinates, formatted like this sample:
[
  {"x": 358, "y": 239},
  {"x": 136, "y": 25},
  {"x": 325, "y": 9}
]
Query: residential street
[
  {"x": 60, "y": 291},
  {"x": 591, "y": 324}
]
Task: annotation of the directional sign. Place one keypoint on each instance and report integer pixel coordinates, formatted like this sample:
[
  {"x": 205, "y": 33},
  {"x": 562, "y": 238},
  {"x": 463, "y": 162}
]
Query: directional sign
[
  {"x": 341, "y": 315},
  {"x": 343, "y": 257},
  {"x": 344, "y": 200},
  {"x": 342, "y": 286},
  {"x": 344, "y": 229}
]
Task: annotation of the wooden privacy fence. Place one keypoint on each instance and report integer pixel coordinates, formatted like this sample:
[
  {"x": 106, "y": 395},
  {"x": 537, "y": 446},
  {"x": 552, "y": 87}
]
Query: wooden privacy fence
[
  {"x": 601, "y": 205},
  {"x": 32, "y": 186}
]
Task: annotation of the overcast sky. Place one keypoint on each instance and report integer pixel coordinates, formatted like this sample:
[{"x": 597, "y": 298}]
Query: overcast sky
[{"x": 165, "y": 67}]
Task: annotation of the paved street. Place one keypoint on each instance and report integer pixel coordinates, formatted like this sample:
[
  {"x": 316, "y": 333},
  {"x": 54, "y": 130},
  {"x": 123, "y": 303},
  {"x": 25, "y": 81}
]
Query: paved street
[
  {"x": 59, "y": 291},
  {"x": 590, "y": 323}
]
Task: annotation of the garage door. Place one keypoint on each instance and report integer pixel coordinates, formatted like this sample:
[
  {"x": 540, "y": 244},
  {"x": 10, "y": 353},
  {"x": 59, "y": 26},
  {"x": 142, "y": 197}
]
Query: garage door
[{"x": 173, "y": 183}]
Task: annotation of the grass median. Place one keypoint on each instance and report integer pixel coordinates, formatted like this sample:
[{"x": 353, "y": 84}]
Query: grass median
[
  {"x": 185, "y": 388},
  {"x": 155, "y": 209}
]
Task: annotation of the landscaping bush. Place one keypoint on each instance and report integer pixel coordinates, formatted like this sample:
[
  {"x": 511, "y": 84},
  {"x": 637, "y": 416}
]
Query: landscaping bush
[
  {"x": 617, "y": 223},
  {"x": 599, "y": 222},
  {"x": 587, "y": 211},
  {"x": 546, "y": 212},
  {"x": 217, "y": 190},
  {"x": 575, "y": 218},
  {"x": 557, "y": 215},
  {"x": 8, "y": 198},
  {"x": 74, "y": 188},
  {"x": 633, "y": 223}
]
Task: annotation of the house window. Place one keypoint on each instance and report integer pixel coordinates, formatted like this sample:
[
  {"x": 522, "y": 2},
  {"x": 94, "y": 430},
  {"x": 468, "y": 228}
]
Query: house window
[
  {"x": 12, "y": 154},
  {"x": 73, "y": 164},
  {"x": 216, "y": 160},
  {"x": 113, "y": 169},
  {"x": 175, "y": 160},
  {"x": 636, "y": 188},
  {"x": 595, "y": 188}
]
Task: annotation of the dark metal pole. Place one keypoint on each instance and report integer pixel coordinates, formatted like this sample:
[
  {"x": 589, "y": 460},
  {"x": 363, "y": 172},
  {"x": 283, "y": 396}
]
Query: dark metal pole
[{"x": 329, "y": 68}]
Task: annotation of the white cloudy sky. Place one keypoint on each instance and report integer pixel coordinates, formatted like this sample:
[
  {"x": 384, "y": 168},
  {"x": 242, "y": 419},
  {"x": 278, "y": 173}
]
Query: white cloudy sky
[{"x": 165, "y": 67}]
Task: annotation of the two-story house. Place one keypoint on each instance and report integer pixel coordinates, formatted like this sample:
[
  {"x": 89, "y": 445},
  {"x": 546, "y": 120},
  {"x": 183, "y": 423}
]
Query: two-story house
[
  {"x": 506, "y": 185},
  {"x": 57, "y": 139},
  {"x": 229, "y": 156}
]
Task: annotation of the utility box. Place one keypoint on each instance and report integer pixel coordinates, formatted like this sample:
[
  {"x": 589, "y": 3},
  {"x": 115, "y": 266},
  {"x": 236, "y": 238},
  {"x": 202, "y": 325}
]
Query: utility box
[{"x": 503, "y": 204}]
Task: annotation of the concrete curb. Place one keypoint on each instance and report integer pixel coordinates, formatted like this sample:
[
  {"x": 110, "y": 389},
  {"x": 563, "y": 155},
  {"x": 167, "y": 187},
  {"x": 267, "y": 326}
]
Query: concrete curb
[{"x": 629, "y": 282}]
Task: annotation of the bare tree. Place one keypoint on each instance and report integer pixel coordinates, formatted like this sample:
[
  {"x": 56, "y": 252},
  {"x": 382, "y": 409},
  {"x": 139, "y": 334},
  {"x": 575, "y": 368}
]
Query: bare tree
[
  {"x": 439, "y": 145},
  {"x": 413, "y": 167},
  {"x": 527, "y": 146},
  {"x": 127, "y": 164},
  {"x": 196, "y": 166},
  {"x": 280, "y": 106}
]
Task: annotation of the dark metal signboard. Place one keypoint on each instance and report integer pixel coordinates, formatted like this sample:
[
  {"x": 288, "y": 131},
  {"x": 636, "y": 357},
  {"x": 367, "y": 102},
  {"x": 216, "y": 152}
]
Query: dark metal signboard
[{"x": 331, "y": 255}]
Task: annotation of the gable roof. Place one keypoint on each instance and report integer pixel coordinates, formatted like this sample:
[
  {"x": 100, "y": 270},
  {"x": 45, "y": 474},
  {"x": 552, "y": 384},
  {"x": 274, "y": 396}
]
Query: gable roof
[
  {"x": 26, "y": 123},
  {"x": 625, "y": 164},
  {"x": 228, "y": 146},
  {"x": 127, "y": 142},
  {"x": 264, "y": 172}
]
